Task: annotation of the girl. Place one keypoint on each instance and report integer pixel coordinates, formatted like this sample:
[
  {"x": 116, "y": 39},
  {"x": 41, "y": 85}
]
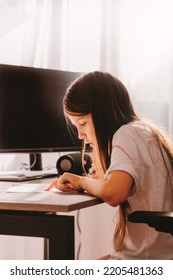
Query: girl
[{"x": 132, "y": 159}]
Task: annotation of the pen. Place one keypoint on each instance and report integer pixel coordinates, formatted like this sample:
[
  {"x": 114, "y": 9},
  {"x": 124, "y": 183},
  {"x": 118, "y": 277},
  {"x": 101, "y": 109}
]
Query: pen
[{"x": 92, "y": 172}]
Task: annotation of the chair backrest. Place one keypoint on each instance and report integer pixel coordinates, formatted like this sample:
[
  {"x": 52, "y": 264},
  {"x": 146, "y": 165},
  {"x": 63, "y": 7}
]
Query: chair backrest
[{"x": 160, "y": 220}]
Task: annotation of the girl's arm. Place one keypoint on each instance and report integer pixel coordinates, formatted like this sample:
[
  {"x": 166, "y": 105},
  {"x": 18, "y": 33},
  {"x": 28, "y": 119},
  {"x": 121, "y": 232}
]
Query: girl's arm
[{"x": 113, "y": 190}]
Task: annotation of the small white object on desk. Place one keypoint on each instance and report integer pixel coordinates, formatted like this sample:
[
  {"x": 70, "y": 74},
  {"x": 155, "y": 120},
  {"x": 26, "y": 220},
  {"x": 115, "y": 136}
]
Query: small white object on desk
[{"x": 25, "y": 188}]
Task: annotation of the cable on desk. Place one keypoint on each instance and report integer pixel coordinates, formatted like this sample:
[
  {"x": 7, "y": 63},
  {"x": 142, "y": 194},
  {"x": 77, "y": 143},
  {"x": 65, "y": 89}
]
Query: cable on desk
[{"x": 26, "y": 166}]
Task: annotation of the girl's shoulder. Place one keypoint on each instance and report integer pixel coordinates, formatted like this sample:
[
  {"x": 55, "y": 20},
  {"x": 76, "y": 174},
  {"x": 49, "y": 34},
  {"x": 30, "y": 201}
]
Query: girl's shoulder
[{"x": 133, "y": 129}]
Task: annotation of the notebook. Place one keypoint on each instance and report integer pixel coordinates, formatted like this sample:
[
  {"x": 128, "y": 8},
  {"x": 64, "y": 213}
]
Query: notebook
[{"x": 25, "y": 175}]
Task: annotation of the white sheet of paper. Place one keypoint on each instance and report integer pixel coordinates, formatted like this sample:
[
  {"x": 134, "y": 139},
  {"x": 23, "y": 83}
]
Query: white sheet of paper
[{"x": 25, "y": 188}]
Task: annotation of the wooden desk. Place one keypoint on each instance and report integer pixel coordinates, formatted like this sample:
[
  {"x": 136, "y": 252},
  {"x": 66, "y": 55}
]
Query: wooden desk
[{"x": 34, "y": 214}]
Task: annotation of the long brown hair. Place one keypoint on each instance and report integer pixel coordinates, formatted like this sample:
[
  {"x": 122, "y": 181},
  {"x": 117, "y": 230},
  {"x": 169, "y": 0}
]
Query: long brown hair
[{"x": 107, "y": 100}]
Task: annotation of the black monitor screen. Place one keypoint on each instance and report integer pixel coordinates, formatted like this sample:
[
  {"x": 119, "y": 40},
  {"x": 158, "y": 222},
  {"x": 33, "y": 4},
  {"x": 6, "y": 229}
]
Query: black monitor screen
[{"x": 31, "y": 113}]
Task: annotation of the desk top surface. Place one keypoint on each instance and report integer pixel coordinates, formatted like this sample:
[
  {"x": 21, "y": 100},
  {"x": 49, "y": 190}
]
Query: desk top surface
[{"x": 43, "y": 201}]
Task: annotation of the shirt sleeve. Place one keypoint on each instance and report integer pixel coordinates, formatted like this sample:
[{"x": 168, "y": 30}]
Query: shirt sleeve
[{"x": 125, "y": 154}]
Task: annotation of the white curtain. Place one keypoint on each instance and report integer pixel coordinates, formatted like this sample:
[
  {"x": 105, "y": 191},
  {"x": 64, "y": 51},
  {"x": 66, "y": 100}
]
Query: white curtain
[
  {"x": 137, "y": 43},
  {"x": 131, "y": 39}
]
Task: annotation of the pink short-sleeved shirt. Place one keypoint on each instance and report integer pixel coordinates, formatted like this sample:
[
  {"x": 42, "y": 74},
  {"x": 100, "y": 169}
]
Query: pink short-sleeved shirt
[{"x": 136, "y": 151}]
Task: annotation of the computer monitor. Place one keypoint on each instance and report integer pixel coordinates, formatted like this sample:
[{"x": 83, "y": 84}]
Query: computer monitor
[{"x": 31, "y": 112}]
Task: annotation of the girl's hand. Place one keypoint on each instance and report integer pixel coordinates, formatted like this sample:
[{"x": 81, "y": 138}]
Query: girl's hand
[{"x": 67, "y": 182}]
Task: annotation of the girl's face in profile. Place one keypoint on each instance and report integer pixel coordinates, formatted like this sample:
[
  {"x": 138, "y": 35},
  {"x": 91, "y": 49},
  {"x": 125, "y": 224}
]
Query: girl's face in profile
[{"x": 85, "y": 128}]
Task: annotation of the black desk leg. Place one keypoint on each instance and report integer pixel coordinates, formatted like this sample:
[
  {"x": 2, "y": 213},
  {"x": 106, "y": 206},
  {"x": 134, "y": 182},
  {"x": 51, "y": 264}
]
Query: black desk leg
[{"x": 60, "y": 245}]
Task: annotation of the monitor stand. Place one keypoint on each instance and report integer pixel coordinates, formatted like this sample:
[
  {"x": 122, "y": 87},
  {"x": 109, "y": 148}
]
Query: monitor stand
[{"x": 35, "y": 161}]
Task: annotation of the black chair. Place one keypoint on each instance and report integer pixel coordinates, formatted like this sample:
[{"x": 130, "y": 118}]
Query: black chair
[{"x": 161, "y": 221}]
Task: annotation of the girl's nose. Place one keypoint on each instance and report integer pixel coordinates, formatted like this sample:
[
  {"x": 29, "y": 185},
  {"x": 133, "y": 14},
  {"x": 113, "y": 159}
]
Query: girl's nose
[{"x": 81, "y": 135}]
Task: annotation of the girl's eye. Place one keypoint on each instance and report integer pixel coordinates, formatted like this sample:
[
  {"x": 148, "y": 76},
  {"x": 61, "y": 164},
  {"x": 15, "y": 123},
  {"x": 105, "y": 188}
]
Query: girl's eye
[{"x": 83, "y": 124}]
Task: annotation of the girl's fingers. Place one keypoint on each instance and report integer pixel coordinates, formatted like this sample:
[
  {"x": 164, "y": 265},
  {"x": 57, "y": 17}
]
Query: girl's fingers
[{"x": 51, "y": 186}]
